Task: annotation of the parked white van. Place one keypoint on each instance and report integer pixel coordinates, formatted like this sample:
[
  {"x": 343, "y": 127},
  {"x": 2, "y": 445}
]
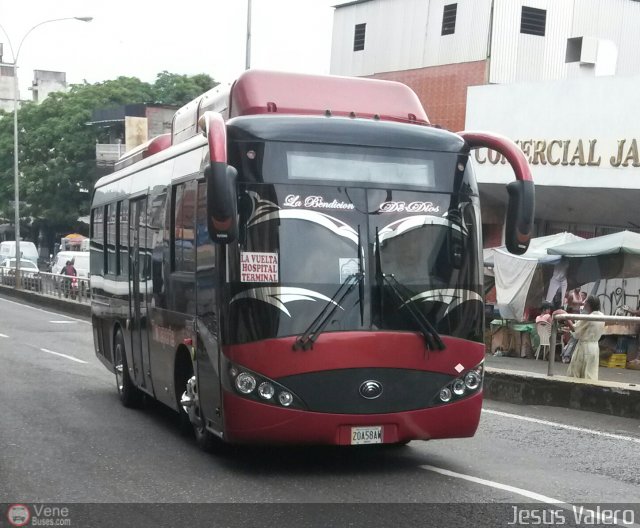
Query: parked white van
[
  {"x": 80, "y": 262},
  {"x": 28, "y": 250}
]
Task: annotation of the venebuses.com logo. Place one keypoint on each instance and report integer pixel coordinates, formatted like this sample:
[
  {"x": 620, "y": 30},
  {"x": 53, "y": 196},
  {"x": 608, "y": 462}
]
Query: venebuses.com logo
[
  {"x": 18, "y": 515},
  {"x": 38, "y": 515}
]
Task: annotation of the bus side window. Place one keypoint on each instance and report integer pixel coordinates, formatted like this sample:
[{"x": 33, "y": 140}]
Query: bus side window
[
  {"x": 205, "y": 248},
  {"x": 122, "y": 240},
  {"x": 97, "y": 241},
  {"x": 110, "y": 261},
  {"x": 155, "y": 226},
  {"x": 184, "y": 203}
]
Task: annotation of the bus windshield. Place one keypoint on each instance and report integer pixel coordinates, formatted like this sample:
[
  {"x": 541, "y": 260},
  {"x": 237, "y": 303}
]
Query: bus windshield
[{"x": 300, "y": 239}]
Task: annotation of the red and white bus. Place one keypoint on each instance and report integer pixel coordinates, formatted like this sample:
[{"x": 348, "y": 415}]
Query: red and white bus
[{"x": 300, "y": 262}]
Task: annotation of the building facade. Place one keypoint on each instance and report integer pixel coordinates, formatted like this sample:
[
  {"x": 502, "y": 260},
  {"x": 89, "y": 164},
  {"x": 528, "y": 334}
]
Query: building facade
[
  {"x": 44, "y": 82},
  {"x": 124, "y": 127},
  {"x": 581, "y": 138},
  {"x": 440, "y": 47}
]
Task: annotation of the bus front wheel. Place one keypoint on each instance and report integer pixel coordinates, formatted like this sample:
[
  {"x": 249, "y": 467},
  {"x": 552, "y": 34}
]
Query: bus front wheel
[{"x": 185, "y": 378}]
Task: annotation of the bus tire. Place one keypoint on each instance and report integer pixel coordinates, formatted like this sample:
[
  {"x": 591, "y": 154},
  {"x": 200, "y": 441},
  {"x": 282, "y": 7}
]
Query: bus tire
[
  {"x": 130, "y": 395},
  {"x": 205, "y": 439}
]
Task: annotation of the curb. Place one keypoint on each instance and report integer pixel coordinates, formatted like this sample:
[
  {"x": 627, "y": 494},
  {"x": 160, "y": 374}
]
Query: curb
[
  {"x": 42, "y": 301},
  {"x": 526, "y": 388}
]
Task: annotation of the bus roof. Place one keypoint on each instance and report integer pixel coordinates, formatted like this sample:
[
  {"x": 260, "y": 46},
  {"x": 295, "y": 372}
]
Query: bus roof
[{"x": 268, "y": 92}]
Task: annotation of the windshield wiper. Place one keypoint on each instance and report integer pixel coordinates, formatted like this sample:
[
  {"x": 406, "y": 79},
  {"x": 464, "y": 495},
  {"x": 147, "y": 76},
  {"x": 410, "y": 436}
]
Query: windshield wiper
[
  {"x": 306, "y": 340},
  {"x": 428, "y": 331}
]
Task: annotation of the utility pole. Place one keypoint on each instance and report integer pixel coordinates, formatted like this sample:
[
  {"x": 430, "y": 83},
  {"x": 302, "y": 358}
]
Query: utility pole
[{"x": 248, "y": 49}]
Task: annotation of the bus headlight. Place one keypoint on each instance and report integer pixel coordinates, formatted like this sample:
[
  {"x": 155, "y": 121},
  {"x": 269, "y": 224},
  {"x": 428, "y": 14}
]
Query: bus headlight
[
  {"x": 254, "y": 386},
  {"x": 445, "y": 394},
  {"x": 472, "y": 380},
  {"x": 458, "y": 387},
  {"x": 464, "y": 385},
  {"x": 285, "y": 398},
  {"x": 245, "y": 383},
  {"x": 266, "y": 390}
]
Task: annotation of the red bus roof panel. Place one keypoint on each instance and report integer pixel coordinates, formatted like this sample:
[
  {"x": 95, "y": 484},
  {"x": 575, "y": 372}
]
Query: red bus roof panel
[{"x": 263, "y": 92}]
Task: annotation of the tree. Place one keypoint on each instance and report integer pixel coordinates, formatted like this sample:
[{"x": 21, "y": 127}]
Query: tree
[
  {"x": 174, "y": 89},
  {"x": 57, "y": 146}
]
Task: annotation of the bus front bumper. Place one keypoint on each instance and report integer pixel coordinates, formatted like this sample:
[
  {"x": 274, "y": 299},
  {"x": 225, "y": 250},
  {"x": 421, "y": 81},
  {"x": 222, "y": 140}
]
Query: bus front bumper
[{"x": 250, "y": 422}]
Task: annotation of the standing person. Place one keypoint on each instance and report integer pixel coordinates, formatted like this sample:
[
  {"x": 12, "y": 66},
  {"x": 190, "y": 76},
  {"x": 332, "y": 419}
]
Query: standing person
[
  {"x": 585, "y": 359},
  {"x": 574, "y": 301},
  {"x": 558, "y": 281}
]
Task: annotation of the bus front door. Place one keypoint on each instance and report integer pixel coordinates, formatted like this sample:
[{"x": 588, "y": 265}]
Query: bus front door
[{"x": 139, "y": 272}]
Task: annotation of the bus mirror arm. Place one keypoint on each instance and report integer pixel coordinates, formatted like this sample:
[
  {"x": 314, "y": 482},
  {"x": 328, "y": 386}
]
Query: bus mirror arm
[
  {"x": 521, "y": 205},
  {"x": 221, "y": 181}
]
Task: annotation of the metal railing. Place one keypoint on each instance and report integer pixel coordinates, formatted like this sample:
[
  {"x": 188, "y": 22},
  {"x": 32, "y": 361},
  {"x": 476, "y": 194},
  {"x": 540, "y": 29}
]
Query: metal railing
[
  {"x": 558, "y": 318},
  {"x": 49, "y": 284}
]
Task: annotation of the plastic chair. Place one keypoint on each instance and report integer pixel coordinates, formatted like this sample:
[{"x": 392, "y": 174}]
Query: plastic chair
[{"x": 544, "y": 333}]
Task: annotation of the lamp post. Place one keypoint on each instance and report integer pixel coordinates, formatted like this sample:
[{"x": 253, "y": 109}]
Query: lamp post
[
  {"x": 247, "y": 61},
  {"x": 16, "y": 172}
]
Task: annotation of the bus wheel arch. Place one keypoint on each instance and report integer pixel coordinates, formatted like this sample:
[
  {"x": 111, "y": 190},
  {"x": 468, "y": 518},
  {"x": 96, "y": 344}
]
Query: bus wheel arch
[{"x": 130, "y": 395}]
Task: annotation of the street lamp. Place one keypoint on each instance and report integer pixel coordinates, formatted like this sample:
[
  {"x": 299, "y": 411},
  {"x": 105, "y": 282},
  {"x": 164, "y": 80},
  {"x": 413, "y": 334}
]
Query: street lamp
[{"x": 16, "y": 181}]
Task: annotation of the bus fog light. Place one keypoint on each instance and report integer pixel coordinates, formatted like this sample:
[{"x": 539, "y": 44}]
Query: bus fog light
[
  {"x": 266, "y": 390},
  {"x": 472, "y": 380},
  {"x": 285, "y": 398},
  {"x": 445, "y": 394},
  {"x": 458, "y": 387},
  {"x": 245, "y": 383}
]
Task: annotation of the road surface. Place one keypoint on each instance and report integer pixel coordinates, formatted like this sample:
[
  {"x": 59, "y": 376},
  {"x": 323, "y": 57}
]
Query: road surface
[{"x": 65, "y": 438}]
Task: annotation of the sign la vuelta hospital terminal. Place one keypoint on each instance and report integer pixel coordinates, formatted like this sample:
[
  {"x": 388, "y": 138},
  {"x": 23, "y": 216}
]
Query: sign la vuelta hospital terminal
[{"x": 580, "y": 133}]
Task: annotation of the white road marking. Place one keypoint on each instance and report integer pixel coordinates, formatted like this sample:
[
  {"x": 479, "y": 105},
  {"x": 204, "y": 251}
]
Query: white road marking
[
  {"x": 3, "y": 335},
  {"x": 524, "y": 493},
  {"x": 63, "y": 322},
  {"x": 62, "y": 355},
  {"x": 46, "y": 311},
  {"x": 564, "y": 426},
  {"x": 504, "y": 487}
]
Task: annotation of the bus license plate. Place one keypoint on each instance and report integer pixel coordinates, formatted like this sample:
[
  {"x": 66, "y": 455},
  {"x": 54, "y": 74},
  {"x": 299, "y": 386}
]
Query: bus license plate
[{"x": 366, "y": 435}]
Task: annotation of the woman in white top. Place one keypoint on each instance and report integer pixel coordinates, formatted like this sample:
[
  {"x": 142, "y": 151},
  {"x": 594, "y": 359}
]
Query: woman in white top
[{"x": 586, "y": 356}]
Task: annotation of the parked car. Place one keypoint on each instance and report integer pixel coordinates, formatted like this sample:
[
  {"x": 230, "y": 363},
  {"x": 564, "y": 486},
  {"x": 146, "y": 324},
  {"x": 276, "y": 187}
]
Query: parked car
[
  {"x": 29, "y": 272},
  {"x": 28, "y": 250}
]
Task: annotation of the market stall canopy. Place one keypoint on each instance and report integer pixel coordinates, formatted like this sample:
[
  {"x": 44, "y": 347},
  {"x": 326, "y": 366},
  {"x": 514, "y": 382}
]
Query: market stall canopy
[
  {"x": 515, "y": 274},
  {"x": 626, "y": 242},
  {"x": 537, "y": 248},
  {"x": 605, "y": 257}
]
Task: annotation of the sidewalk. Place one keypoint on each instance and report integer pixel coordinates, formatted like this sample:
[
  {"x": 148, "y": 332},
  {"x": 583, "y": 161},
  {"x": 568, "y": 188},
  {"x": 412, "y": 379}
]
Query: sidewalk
[
  {"x": 525, "y": 381},
  {"x": 559, "y": 369}
]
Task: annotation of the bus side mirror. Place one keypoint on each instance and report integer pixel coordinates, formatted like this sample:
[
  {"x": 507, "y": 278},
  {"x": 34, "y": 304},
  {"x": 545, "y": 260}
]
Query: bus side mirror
[
  {"x": 221, "y": 203},
  {"x": 221, "y": 182},
  {"x": 521, "y": 206}
]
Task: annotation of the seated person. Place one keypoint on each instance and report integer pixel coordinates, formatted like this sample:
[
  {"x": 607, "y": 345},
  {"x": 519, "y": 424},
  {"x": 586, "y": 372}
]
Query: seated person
[{"x": 545, "y": 316}]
